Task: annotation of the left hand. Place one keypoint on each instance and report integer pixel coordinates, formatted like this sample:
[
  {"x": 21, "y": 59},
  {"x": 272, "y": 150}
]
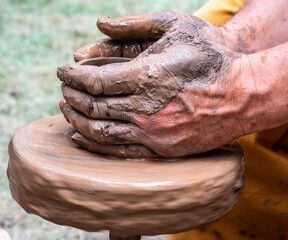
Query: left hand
[
  {"x": 129, "y": 36},
  {"x": 181, "y": 97}
]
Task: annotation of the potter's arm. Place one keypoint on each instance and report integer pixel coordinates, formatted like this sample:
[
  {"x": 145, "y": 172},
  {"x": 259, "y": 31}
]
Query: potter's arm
[
  {"x": 265, "y": 79},
  {"x": 261, "y": 24}
]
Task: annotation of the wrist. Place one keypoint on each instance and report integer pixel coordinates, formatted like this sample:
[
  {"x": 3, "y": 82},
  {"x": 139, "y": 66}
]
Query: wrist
[
  {"x": 262, "y": 88},
  {"x": 248, "y": 93},
  {"x": 253, "y": 94}
]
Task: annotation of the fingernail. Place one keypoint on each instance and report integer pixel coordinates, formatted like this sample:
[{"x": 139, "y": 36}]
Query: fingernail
[
  {"x": 62, "y": 72},
  {"x": 103, "y": 20},
  {"x": 76, "y": 137},
  {"x": 79, "y": 56},
  {"x": 62, "y": 103},
  {"x": 65, "y": 73}
]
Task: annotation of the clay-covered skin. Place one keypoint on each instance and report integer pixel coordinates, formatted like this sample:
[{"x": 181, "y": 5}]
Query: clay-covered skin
[
  {"x": 152, "y": 80},
  {"x": 172, "y": 98},
  {"x": 178, "y": 97},
  {"x": 134, "y": 34}
]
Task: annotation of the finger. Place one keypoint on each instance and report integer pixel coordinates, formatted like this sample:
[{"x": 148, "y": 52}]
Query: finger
[
  {"x": 62, "y": 103},
  {"x": 121, "y": 151},
  {"x": 137, "y": 27},
  {"x": 100, "y": 107},
  {"x": 102, "y": 48},
  {"x": 102, "y": 131},
  {"x": 88, "y": 77},
  {"x": 110, "y": 79},
  {"x": 134, "y": 77}
]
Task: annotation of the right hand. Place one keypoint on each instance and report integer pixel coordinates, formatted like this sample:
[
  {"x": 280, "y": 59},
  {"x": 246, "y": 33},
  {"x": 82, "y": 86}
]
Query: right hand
[{"x": 131, "y": 35}]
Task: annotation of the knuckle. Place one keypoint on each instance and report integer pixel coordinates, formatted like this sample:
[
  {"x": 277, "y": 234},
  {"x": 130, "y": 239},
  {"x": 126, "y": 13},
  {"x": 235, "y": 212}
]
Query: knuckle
[
  {"x": 171, "y": 16},
  {"x": 171, "y": 13}
]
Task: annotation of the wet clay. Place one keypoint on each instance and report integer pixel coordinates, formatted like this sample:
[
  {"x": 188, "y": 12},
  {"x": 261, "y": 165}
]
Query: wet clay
[{"x": 53, "y": 178}]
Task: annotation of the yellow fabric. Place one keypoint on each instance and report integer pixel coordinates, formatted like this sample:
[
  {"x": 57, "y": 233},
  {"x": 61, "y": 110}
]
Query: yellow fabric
[
  {"x": 262, "y": 212},
  {"x": 219, "y": 12}
]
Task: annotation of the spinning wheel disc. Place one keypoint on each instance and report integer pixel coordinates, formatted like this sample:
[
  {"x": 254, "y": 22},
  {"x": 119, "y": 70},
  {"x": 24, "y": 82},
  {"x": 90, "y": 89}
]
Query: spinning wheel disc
[{"x": 52, "y": 177}]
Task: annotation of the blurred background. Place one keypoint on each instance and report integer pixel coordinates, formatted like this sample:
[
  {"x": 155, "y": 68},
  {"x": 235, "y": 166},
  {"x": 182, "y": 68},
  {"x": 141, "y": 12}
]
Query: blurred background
[{"x": 35, "y": 38}]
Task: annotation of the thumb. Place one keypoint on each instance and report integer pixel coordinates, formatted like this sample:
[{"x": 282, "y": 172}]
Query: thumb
[{"x": 137, "y": 27}]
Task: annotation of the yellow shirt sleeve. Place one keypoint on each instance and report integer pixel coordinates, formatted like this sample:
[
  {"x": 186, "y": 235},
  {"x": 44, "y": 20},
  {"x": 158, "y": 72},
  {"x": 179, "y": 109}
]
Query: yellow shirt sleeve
[{"x": 219, "y": 12}]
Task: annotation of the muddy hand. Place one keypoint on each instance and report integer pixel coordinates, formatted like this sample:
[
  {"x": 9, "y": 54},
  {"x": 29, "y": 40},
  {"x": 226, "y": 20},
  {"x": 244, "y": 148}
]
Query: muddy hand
[
  {"x": 184, "y": 95},
  {"x": 102, "y": 135},
  {"x": 134, "y": 34}
]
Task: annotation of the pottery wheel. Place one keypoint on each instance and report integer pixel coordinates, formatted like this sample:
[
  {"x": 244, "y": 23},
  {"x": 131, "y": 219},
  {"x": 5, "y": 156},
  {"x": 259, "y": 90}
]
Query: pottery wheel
[{"x": 52, "y": 177}]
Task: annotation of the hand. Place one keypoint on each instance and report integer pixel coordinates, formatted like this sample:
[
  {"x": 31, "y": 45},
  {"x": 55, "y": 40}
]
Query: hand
[
  {"x": 184, "y": 95},
  {"x": 132, "y": 35}
]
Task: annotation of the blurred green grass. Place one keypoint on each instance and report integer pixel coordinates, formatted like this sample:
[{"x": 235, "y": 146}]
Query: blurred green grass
[{"x": 35, "y": 38}]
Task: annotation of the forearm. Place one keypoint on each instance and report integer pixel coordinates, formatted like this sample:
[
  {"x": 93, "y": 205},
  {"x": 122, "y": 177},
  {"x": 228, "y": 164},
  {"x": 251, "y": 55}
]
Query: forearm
[
  {"x": 261, "y": 24},
  {"x": 265, "y": 78}
]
